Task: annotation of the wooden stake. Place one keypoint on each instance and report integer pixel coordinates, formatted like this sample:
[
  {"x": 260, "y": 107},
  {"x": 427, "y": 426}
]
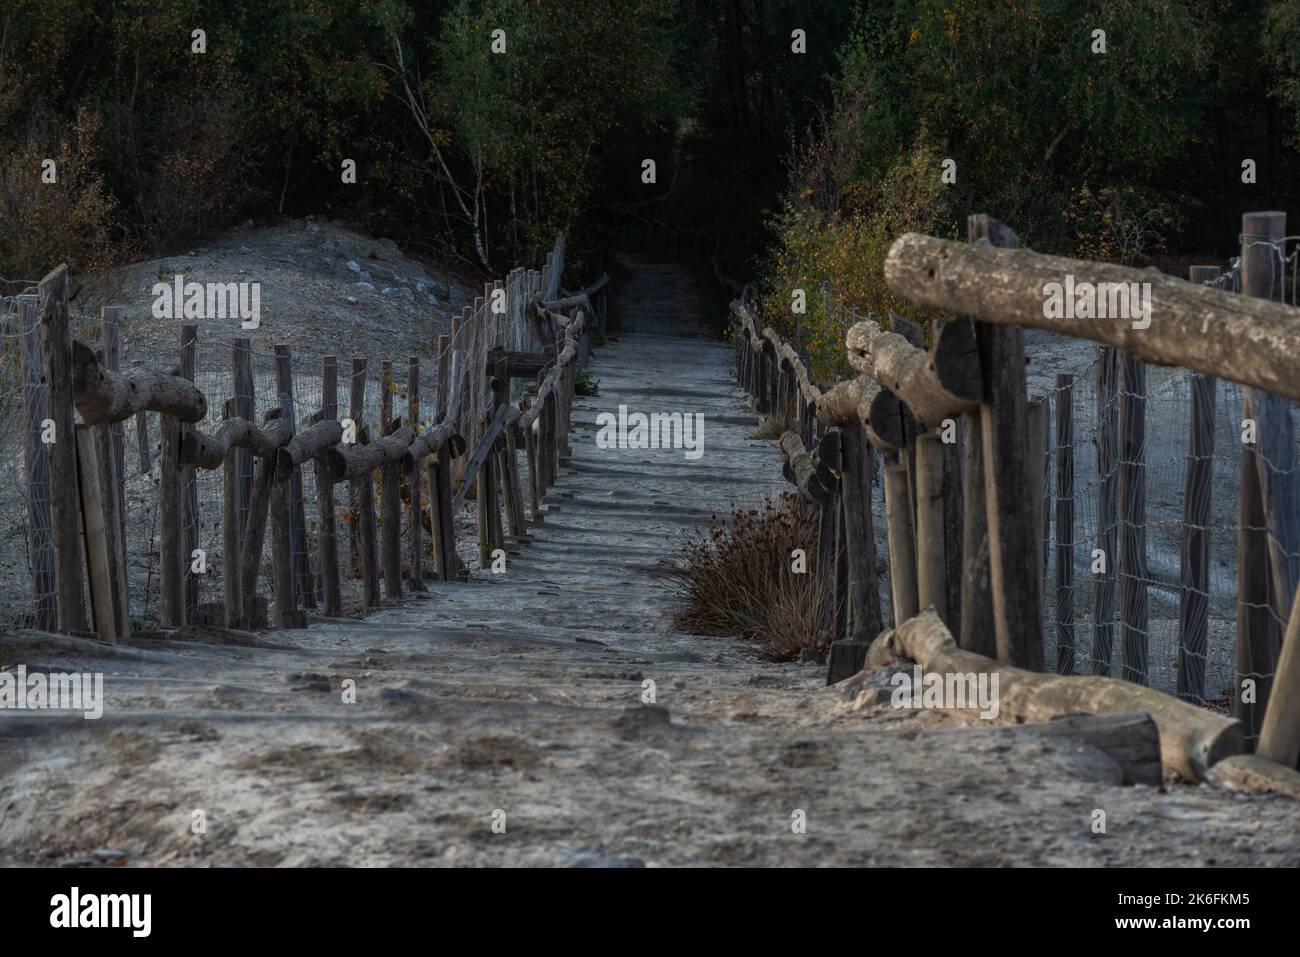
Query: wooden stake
[
  {"x": 931, "y": 568},
  {"x": 1015, "y": 563},
  {"x": 1065, "y": 524},
  {"x": 327, "y": 536},
  {"x": 1194, "y": 571},
  {"x": 95, "y": 536},
  {"x": 56, "y": 352},
  {"x": 902, "y": 554}
]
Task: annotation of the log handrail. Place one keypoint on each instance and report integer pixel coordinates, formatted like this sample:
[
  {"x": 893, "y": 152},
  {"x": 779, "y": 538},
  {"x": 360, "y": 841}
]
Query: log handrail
[
  {"x": 104, "y": 397},
  {"x": 1250, "y": 341},
  {"x": 205, "y": 451}
]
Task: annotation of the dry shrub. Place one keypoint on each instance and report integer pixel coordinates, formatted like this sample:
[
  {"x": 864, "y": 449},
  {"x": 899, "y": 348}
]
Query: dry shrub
[
  {"x": 775, "y": 426},
  {"x": 735, "y": 578},
  {"x": 43, "y": 224}
]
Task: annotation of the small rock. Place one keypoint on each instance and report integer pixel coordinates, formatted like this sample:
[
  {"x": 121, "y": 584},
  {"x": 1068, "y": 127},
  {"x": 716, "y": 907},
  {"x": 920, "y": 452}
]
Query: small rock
[
  {"x": 313, "y": 228},
  {"x": 354, "y": 265},
  {"x": 365, "y": 286}
]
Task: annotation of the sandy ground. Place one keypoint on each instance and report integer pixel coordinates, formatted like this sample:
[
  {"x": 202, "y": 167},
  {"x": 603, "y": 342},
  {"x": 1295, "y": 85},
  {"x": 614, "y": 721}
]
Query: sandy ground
[
  {"x": 324, "y": 287},
  {"x": 520, "y": 701}
]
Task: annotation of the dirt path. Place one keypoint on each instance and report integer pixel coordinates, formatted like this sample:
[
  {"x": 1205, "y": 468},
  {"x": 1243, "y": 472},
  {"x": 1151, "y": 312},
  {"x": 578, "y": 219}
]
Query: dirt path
[{"x": 522, "y": 694}]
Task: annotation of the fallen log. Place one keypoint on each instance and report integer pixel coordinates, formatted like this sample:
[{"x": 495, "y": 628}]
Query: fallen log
[
  {"x": 104, "y": 397},
  {"x": 319, "y": 441},
  {"x": 1192, "y": 740},
  {"x": 204, "y": 451},
  {"x": 1248, "y": 340}
]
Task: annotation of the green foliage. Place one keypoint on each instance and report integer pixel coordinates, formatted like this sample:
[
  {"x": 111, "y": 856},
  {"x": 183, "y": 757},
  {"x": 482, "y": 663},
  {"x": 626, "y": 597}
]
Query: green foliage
[
  {"x": 843, "y": 249},
  {"x": 1013, "y": 92}
]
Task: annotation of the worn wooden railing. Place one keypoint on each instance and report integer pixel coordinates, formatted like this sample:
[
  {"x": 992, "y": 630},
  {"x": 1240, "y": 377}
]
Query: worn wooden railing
[
  {"x": 965, "y": 534},
  {"x": 459, "y": 452}
]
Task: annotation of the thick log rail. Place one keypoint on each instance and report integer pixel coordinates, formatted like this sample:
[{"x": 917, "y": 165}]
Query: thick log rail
[
  {"x": 973, "y": 516},
  {"x": 338, "y": 448}
]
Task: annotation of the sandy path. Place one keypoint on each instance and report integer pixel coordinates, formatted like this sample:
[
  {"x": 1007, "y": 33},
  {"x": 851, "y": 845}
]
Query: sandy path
[{"x": 522, "y": 693}]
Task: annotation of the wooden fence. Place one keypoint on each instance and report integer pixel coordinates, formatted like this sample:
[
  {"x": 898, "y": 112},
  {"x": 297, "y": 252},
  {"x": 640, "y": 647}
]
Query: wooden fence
[
  {"x": 525, "y": 331},
  {"x": 964, "y": 447}
]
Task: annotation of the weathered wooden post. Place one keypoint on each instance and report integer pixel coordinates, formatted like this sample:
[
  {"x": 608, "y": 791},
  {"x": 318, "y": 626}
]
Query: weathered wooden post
[
  {"x": 1134, "y": 664},
  {"x": 231, "y": 537},
  {"x": 953, "y": 509},
  {"x": 1039, "y": 437},
  {"x": 283, "y": 578},
  {"x": 416, "y": 581},
  {"x": 931, "y": 582},
  {"x": 977, "y": 630},
  {"x": 356, "y": 414},
  {"x": 244, "y": 407},
  {"x": 1194, "y": 572},
  {"x": 902, "y": 554},
  {"x": 250, "y": 555},
  {"x": 110, "y": 452},
  {"x": 369, "y": 535},
  {"x": 442, "y": 390},
  {"x": 56, "y": 352},
  {"x": 96, "y": 536},
  {"x": 856, "y": 460},
  {"x": 1065, "y": 524},
  {"x": 551, "y": 434},
  {"x": 327, "y": 538},
  {"x": 304, "y": 587},
  {"x": 1015, "y": 562},
  {"x": 36, "y": 469},
  {"x": 189, "y": 487},
  {"x": 530, "y": 428},
  {"x": 1268, "y": 538},
  {"x": 172, "y": 566},
  {"x": 391, "y": 491},
  {"x": 1104, "y": 566}
]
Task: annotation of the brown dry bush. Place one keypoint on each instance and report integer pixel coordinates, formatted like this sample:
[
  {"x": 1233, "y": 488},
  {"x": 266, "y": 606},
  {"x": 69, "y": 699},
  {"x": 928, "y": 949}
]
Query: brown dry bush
[
  {"x": 735, "y": 578},
  {"x": 43, "y": 224}
]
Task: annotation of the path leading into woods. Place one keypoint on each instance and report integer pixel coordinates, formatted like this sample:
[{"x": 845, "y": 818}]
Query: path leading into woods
[{"x": 521, "y": 693}]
